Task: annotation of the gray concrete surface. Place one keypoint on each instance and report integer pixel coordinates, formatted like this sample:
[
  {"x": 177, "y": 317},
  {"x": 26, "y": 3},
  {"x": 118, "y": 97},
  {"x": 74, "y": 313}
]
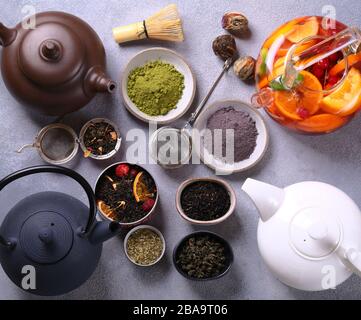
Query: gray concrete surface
[{"x": 333, "y": 158}]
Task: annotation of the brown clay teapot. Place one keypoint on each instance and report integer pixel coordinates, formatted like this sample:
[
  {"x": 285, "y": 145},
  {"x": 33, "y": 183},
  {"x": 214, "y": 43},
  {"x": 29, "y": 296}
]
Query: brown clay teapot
[{"x": 55, "y": 68}]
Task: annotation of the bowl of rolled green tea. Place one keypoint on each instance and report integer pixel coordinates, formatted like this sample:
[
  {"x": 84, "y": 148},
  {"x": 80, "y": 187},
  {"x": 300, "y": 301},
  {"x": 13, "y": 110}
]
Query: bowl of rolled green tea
[
  {"x": 203, "y": 255},
  {"x": 205, "y": 201},
  {"x": 144, "y": 246}
]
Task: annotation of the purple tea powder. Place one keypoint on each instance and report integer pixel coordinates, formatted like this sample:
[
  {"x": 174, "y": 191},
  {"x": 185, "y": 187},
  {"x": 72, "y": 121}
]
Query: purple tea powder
[{"x": 245, "y": 132}]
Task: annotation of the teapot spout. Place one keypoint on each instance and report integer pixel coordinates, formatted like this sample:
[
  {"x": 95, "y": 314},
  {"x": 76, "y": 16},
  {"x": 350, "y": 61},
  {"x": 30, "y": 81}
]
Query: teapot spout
[
  {"x": 266, "y": 197},
  {"x": 7, "y": 36},
  {"x": 103, "y": 231},
  {"x": 97, "y": 81}
]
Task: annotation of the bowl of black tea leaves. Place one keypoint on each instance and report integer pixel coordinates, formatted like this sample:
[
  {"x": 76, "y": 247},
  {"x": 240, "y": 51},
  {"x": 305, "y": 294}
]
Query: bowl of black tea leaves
[
  {"x": 126, "y": 193},
  {"x": 205, "y": 201},
  {"x": 203, "y": 255}
]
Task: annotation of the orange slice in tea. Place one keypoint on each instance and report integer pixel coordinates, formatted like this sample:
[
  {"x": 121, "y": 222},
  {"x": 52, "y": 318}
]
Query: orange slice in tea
[
  {"x": 347, "y": 98},
  {"x": 283, "y": 30},
  {"x": 278, "y": 68},
  {"x": 140, "y": 189},
  {"x": 289, "y": 102},
  {"x": 299, "y": 49},
  {"x": 303, "y": 30},
  {"x": 263, "y": 82},
  {"x": 352, "y": 60},
  {"x": 321, "y": 123}
]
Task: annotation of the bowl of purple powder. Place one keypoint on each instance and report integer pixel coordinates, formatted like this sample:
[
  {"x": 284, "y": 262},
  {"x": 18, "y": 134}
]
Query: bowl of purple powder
[{"x": 230, "y": 136}]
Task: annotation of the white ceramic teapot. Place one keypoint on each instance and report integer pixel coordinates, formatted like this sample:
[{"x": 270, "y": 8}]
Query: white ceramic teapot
[{"x": 309, "y": 233}]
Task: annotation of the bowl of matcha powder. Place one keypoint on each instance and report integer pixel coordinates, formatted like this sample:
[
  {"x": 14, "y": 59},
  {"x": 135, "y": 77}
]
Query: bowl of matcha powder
[{"x": 158, "y": 85}]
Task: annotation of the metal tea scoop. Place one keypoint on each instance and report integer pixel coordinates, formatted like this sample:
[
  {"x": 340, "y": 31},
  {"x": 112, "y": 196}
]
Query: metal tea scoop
[{"x": 172, "y": 147}]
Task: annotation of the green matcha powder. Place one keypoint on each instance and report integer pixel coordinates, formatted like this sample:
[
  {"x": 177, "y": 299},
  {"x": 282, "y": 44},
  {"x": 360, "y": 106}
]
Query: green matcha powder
[{"x": 155, "y": 88}]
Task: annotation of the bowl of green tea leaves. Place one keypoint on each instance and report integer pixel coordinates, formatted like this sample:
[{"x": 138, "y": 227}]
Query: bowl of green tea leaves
[{"x": 203, "y": 255}]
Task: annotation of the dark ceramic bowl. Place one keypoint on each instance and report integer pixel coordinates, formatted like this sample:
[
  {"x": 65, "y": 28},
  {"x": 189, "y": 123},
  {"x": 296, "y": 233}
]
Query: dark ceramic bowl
[{"x": 228, "y": 254}]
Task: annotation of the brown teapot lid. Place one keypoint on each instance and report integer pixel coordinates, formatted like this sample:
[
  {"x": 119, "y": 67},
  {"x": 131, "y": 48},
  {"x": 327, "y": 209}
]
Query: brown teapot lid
[{"x": 51, "y": 54}]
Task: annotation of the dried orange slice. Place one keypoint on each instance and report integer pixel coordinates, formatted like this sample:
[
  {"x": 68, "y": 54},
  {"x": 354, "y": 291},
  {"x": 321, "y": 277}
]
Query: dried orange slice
[
  {"x": 346, "y": 99},
  {"x": 106, "y": 210},
  {"x": 289, "y": 102},
  {"x": 303, "y": 30},
  {"x": 140, "y": 189},
  {"x": 321, "y": 123},
  {"x": 340, "y": 67}
]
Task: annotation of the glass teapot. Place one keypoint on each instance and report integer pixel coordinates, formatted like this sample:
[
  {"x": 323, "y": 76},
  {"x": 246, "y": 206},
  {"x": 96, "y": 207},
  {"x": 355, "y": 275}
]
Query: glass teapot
[{"x": 308, "y": 75}]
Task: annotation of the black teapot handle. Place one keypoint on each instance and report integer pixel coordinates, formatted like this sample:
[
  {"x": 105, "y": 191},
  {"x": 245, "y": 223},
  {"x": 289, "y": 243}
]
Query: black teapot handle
[{"x": 61, "y": 170}]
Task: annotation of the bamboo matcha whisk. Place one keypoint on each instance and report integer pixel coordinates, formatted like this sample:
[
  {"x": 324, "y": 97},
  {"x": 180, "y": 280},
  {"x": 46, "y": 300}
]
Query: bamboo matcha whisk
[{"x": 164, "y": 25}]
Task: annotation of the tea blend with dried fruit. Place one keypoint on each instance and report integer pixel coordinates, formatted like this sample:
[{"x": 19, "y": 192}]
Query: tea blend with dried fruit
[
  {"x": 100, "y": 138},
  {"x": 126, "y": 193},
  {"x": 144, "y": 246},
  {"x": 205, "y": 200},
  {"x": 244, "y": 129},
  {"x": 202, "y": 257}
]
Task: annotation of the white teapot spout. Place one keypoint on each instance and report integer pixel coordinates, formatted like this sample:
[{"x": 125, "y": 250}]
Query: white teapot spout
[{"x": 267, "y": 198}]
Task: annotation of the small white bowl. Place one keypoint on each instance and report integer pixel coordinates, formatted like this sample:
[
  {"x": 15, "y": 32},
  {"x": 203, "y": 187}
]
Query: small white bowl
[
  {"x": 136, "y": 229},
  {"x": 180, "y": 64},
  {"x": 218, "y": 165},
  {"x": 226, "y": 185}
]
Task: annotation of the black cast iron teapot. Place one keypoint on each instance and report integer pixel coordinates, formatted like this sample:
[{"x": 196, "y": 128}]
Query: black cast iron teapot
[{"x": 53, "y": 234}]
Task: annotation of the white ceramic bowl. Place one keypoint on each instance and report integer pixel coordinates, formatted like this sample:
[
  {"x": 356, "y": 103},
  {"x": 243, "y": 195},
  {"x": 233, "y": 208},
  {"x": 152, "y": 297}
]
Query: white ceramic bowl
[
  {"x": 226, "y": 185},
  {"x": 136, "y": 229},
  {"x": 218, "y": 165},
  {"x": 180, "y": 64}
]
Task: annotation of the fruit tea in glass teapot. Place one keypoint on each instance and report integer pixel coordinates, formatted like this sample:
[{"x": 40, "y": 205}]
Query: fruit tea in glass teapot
[{"x": 308, "y": 75}]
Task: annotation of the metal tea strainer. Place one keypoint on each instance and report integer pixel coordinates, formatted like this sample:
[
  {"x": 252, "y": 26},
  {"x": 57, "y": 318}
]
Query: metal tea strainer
[
  {"x": 58, "y": 143},
  {"x": 172, "y": 147}
]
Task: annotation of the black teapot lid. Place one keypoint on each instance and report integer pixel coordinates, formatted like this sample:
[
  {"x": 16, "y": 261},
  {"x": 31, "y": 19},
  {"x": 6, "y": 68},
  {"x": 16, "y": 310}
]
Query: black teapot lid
[{"x": 46, "y": 237}]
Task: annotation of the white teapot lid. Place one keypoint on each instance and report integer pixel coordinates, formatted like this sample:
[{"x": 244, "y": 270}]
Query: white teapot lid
[{"x": 314, "y": 233}]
